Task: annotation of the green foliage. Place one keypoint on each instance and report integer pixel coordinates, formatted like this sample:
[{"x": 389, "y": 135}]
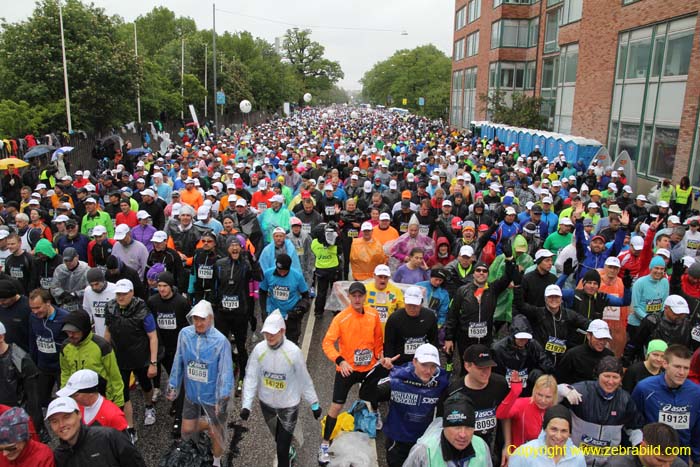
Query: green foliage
[
  {"x": 410, "y": 74},
  {"x": 306, "y": 57},
  {"x": 522, "y": 111}
]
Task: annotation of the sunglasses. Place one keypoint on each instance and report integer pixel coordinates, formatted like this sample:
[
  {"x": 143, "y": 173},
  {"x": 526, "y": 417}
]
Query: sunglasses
[
  {"x": 208, "y": 241},
  {"x": 481, "y": 270}
]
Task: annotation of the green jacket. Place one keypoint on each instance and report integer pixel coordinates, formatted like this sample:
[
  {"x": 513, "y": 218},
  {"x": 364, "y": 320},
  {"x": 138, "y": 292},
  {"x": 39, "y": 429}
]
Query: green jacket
[
  {"x": 504, "y": 303},
  {"x": 93, "y": 353},
  {"x": 102, "y": 218}
]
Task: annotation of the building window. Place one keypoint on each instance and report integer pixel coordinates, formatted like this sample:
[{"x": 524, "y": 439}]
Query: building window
[
  {"x": 497, "y": 3},
  {"x": 650, "y": 83},
  {"x": 473, "y": 44},
  {"x": 457, "y": 86},
  {"x": 460, "y": 18},
  {"x": 551, "y": 31},
  {"x": 565, "y": 89},
  {"x": 474, "y": 8},
  {"x": 470, "y": 97},
  {"x": 695, "y": 172},
  {"x": 459, "y": 50},
  {"x": 571, "y": 11},
  {"x": 530, "y": 75},
  {"x": 628, "y": 2},
  {"x": 511, "y": 76},
  {"x": 514, "y": 33},
  {"x": 553, "y": 2}
]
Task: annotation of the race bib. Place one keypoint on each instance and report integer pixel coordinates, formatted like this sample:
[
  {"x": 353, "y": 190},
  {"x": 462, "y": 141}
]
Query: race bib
[
  {"x": 198, "y": 372},
  {"x": 17, "y": 273},
  {"x": 98, "y": 309},
  {"x": 654, "y": 305},
  {"x": 611, "y": 313},
  {"x": 45, "y": 282},
  {"x": 383, "y": 313},
  {"x": 230, "y": 302},
  {"x": 555, "y": 345},
  {"x": 167, "y": 321},
  {"x": 424, "y": 230},
  {"x": 45, "y": 345},
  {"x": 306, "y": 228},
  {"x": 675, "y": 417},
  {"x": 262, "y": 206},
  {"x": 478, "y": 330},
  {"x": 300, "y": 251},
  {"x": 353, "y": 233},
  {"x": 403, "y": 227},
  {"x": 695, "y": 333},
  {"x": 522, "y": 373},
  {"x": 362, "y": 357},
  {"x": 205, "y": 272},
  {"x": 72, "y": 306},
  {"x": 485, "y": 420},
  {"x": 330, "y": 210},
  {"x": 411, "y": 344},
  {"x": 2, "y": 263},
  {"x": 280, "y": 292},
  {"x": 275, "y": 381}
]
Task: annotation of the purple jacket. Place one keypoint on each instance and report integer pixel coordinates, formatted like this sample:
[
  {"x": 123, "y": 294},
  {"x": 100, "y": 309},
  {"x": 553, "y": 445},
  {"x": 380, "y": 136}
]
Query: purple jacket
[{"x": 144, "y": 234}]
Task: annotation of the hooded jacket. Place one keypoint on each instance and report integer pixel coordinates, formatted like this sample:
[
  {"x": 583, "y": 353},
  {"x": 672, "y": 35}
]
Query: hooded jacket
[
  {"x": 531, "y": 357},
  {"x": 437, "y": 258},
  {"x": 101, "y": 446},
  {"x": 504, "y": 304},
  {"x": 44, "y": 267},
  {"x": 93, "y": 353},
  {"x": 70, "y": 282}
]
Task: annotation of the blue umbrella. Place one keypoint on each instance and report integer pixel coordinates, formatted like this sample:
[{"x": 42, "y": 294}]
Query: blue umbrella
[
  {"x": 59, "y": 151},
  {"x": 38, "y": 151},
  {"x": 137, "y": 151}
]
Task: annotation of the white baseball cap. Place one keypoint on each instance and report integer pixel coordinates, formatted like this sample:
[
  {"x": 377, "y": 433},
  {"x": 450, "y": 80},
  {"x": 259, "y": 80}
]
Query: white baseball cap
[
  {"x": 98, "y": 230},
  {"x": 523, "y": 335},
  {"x": 663, "y": 252},
  {"x": 427, "y": 353},
  {"x": 547, "y": 200},
  {"x": 81, "y": 379},
  {"x": 382, "y": 270},
  {"x": 62, "y": 218},
  {"x": 148, "y": 192},
  {"x": 366, "y": 226},
  {"x": 599, "y": 329},
  {"x": 552, "y": 291},
  {"x": 663, "y": 204},
  {"x": 641, "y": 198},
  {"x": 637, "y": 243},
  {"x": 384, "y": 216},
  {"x": 3, "y": 235},
  {"x": 202, "y": 213},
  {"x": 121, "y": 231},
  {"x": 123, "y": 286},
  {"x": 413, "y": 296},
  {"x": 674, "y": 219},
  {"x": 274, "y": 323},
  {"x": 565, "y": 221},
  {"x": 176, "y": 209},
  {"x": 241, "y": 202},
  {"x": 542, "y": 253},
  {"x": 466, "y": 250},
  {"x": 159, "y": 236},
  {"x": 612, "y": 261},
  {"x": 510, "y": 210},
  {"x": 447, "y": 202},
  {"x": 61, "y": 405},
  {"x": 277, "y": 199},
  {"x": 142, "y": 215}
]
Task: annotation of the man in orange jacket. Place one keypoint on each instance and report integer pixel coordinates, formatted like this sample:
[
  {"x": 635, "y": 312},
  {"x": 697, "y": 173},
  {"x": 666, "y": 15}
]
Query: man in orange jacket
[{"x": 357, "y": 332}]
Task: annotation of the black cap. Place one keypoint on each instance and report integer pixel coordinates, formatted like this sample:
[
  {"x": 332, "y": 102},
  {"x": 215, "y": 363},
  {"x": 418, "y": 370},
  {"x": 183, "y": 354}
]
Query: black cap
[
  {"x": 95, "y": 275},
  {"x": 166, "y": 277},
  {"x": 283, "y": 262},
  {"x": 357, "y": 287},
  {"x": 479, "y": 354},
  {"x": 459, "y": 411},
  {"x": 536, "y": 209},
  {"x": 405, "y": 203},
  {"x": 69, "y": 253},
  {"x": 591, "y": 275},
  {"x": 556, "y": 411},
  {"x": 439, "y": 273}
]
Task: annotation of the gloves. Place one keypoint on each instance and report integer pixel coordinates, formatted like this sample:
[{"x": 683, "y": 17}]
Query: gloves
[
  {"x": 316, "y": 409},
  {"x": 507, "y": 248},
  {"x": 627, "y": 278},
  {"x": 570, "y": 394},
  {"x": 569, "y": 266},
  {"x": 678, "y": 268},
  {"x": 245, "y": 413}
]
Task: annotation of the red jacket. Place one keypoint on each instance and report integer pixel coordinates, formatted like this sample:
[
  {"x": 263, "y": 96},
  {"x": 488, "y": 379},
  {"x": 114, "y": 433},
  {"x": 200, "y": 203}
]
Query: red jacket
[
  {"x": 34, "y": 454},
  {"x": 109, "y": 416}
]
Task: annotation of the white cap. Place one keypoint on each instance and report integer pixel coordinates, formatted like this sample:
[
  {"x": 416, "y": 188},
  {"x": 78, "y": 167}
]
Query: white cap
[
  {"x": 552, "y": 291},
  {"x": 81, "y": 379},
  {"x": 542, "y": 253},
  {"x": 202, "y": 309},
  {"x": 121, "y": 231},
  {"x": 33, "y": 202},
  {"x": 274, "y": 323},
  {"x": 142, "y": 215},
  {"x": 176, "y": 209},
  {"x": 355, "y": 177},
  {"x": 494, "y": 187},
  {"x": 523, "y": 335},
  {"x": 612, "y": 261},
  {"x": 98, "y": 230},
  {"x": 277, "y": 199},
  {"x": 413, "y": 296},
  {"x": 159, "y": 236},
  {"x": 123, "y": 286},
  {"x": 688, "y": 261},
  {"x": 592, "y": 205},
  {"x": 547, "y": 200},
  {"x": 599, "y": 329},
  {"x": 384, "y": 216},
  {"x": 674, "y": 219},
  {"x": 366, "y": 226},
  {"x": 556, "y": 183},
  {"x": 663, "y": 252},
  {"x": 241, "y": 202},
  {"x": 62, "y": 218},
  {"x": 262, "y": 184},
  {"x": 140, "y": 180},
  {"x": 328, "y": 187},
  {"x": 148, "y": 192},
  {"x": 529, "y": 205},
  {"x": 447, "y": 202},
  {"x": 232, "y": 199},
  {"x": 641, "y": 198},
  {"x": 573, "y": 189},
  {"x": 565, "y": 221},
  {"x": 663, "y": 204},
  {"x": 41, "y": 186},
  {"x": 614, "y": 174},
  {"x": 466, "y": 250},
  {"x": 627, "y": 188},
  {"x": 62, "y": 405},
  {"x": 2, "y": 326},
  {"x": 637, "y": 243},
  {"x": 427, "y": 353},
  {"x": 392, "y": 184},
  {"x": 510, "y": 210},
  {"x": 202, "y": 212},
  {"x": 382, "y": 270},
  {"x": 367, "y": 186}
]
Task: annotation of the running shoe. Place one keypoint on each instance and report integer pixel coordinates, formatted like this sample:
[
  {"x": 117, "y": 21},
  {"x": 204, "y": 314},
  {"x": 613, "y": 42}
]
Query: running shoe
[
  {"x": 292, "y": 455},
  {"x": 239, "y": 388},
  {"x": 133, "y": 436},
  {"x": 150, "y": 416},
  {"x": 156, "y": 395},
  {"x": 312, "y": 292},
  {"x": 324, "y": 456},
  {"x": 176, "y": 430}
]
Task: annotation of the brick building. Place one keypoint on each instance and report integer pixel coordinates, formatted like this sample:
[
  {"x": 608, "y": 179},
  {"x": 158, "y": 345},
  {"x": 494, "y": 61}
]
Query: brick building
[{"x": 624, "y": 72}]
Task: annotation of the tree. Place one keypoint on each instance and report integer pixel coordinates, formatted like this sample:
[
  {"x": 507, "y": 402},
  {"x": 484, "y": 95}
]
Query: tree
[
  {"x": 102, "y": 70},
  {"x": 411, "y": 74},
  {"x": 314, "y": 71},
  {"x": 523, "y": 111}
]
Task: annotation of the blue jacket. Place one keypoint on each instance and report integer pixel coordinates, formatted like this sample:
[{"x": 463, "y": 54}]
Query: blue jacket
[
  {"x": 412, "y": 402},
  {"x": 678, "y": 408},
  {"x": 648, "y": 296},
  {"x": 267, "y": 257},
  {"x": 438, "y": 301},
  {"x": 46, "y": 340},
  {"x": 204, "y": 362},
  {"x": 283, "y": 292},
  {"x": 592, "y": 260},
  {"x": 506, "y": 231}
]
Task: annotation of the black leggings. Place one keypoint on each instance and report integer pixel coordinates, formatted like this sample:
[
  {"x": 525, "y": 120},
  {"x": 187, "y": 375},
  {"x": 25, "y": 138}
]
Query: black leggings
[
  {"x": 325, "y": 279},
  {"x": 235, "y": 323},
  {"x": 283, "y": 438},
  {"x": 167, "y": 363}
]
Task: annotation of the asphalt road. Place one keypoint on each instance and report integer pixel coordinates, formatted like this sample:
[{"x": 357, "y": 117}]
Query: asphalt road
[{"x": 257, "y": 446}]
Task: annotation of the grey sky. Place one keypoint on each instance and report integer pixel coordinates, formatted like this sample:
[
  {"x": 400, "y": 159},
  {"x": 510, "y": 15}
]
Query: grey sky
[{"x": 426, "y": 21}]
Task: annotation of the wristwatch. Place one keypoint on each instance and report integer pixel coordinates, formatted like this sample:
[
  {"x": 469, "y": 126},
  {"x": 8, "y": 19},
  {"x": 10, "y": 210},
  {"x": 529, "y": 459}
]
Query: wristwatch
[{"x": 154, "y": 363}]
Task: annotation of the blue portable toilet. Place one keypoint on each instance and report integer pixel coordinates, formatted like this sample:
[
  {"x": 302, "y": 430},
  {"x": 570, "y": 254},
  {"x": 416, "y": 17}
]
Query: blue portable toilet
[
  {"x": 571, "y": 151},
  {"x": 551, "y": 147},
  {"x": 525, "y": 143},
  {"x": 561, "y": 146}
]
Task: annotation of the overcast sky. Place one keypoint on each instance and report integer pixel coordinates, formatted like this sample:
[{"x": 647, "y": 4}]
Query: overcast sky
[{"x": 425, "y": 21}]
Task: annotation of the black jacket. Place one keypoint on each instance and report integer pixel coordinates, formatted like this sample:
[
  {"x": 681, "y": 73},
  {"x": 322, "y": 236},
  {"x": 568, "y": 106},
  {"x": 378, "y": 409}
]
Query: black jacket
[
  {"x": 578, "y": 364},
  {"x": 533, "y": 285},
  {"x": 101, "y": 446},
  {"x": 656, "y": 326},
  {"x": 129, "y": 338},
  {"x": 232, "y": 279},
  {"x": 531, "y": 357},
  {"x": 157, "y": 211}
]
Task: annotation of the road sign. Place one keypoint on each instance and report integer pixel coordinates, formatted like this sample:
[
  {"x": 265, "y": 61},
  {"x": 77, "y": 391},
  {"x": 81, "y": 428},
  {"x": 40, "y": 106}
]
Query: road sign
[
  {"x": 220, "y": 98},
  {"x": 421, "y": 101},
  {"x": 404, "y": 101}
]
